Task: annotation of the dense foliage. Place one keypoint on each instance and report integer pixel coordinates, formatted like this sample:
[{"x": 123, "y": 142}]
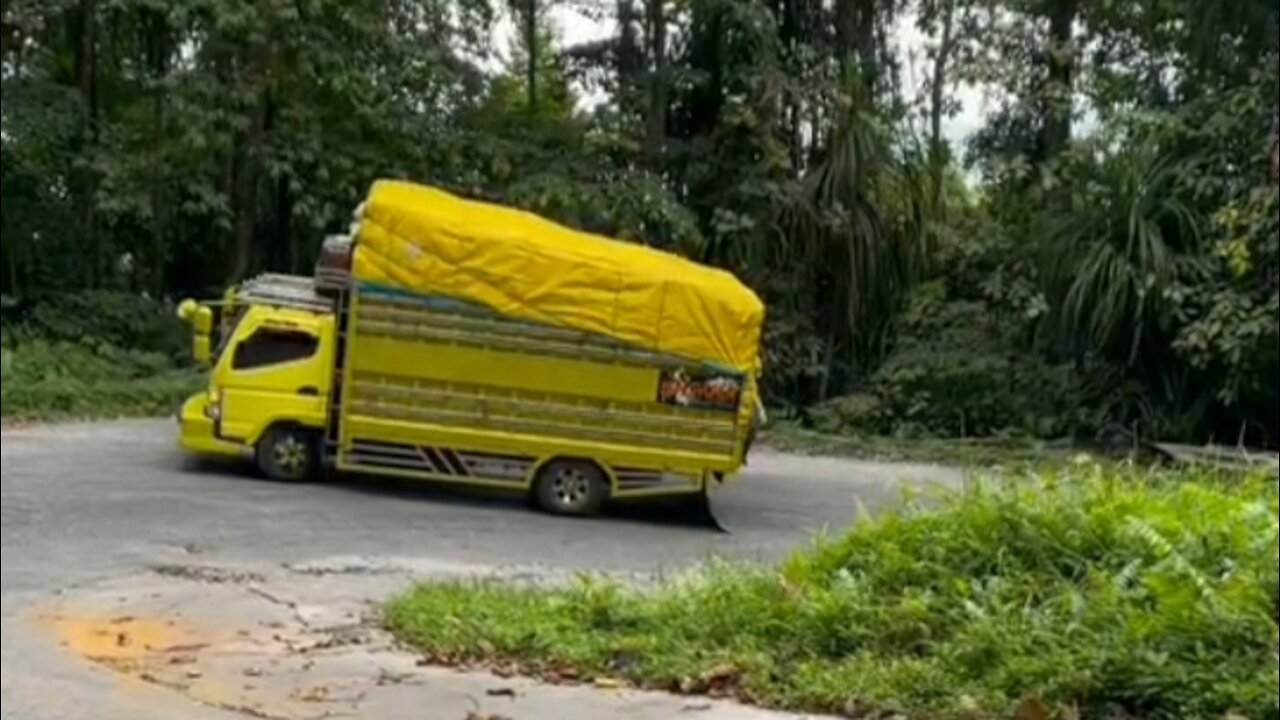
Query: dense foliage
[
  {"x": 1099, "y": 259},
  {"x": 1078, "y": 594},
  {"x": 93, "y": 355}
]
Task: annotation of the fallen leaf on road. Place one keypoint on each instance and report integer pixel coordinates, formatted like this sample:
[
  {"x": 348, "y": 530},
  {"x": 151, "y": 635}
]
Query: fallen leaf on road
[
  {"x": 386, "y": 677},
  {"x": 721, "y": 674},
  {"x": 316, "y": 694},
  {"x": 605, "y": 683},
  {"x": 563, "y": 673},
  {"x": 187, "y": 648},
  {"x": 719, "y": 680},
  {"x": 500, "y": 692}
]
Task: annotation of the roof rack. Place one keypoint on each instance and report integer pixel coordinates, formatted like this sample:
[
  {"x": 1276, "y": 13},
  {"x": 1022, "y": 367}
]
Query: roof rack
[{"x": 287, "y": 291}]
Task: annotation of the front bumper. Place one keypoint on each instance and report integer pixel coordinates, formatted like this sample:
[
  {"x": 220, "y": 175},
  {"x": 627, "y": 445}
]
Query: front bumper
[{"x": 196, "y": 434}]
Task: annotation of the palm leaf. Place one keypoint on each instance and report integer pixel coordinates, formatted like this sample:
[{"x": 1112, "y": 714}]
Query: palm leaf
[{"x": 1114, "y": 258}]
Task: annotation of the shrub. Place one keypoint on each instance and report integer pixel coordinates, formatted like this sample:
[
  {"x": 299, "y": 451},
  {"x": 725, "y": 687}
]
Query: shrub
[
  {"x": 99, "y": 318},
  {"x": 956, "y": 372},
  {"x": 1080, "y": 593},
  {"x": 42, "y": 380},
  {"x": 92, "y": 354}
]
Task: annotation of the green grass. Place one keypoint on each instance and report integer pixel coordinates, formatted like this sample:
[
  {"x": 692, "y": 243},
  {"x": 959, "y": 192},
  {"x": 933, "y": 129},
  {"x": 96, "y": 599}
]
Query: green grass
[
  {"x": 1081, "y": 593},
  {"x": 42, "y": 381}
]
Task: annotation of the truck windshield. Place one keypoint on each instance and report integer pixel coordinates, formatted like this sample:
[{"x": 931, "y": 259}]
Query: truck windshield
[{"x": 231, "y": 315}]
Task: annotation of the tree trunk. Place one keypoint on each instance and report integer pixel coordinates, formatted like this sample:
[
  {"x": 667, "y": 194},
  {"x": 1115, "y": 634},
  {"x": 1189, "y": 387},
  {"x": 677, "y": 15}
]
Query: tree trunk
[
  {"x": 15, "y": 277},
  {"x": 856, "y": 45},
  {"x": 14, "y": 42},
  {"x": 1057, "y": 94},
  {"x": 629, "y": 61},
  {"x": 531, "y": 47},
  {"x": 1275, "y": 117},
  {"x": 284, "y": 225},
  {"x": 868, "y": 51},
  {"x": 245, "y": 186},
  {"x": 84, "y": 51},
  {"x": 938, "y": 91},
  {"x": 791, "y": 32},
  {"x": 828, "y": 364},
  {"x": 846, "y": 31},
  {"x": 1275, "y": 160},
  {"x": 656, "y": 127},
  {"x": 158, "y": 47}
]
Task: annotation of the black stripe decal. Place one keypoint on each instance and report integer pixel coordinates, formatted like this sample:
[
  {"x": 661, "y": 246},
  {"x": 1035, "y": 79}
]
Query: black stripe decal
[
  {"x": 458, "y": 467},
  {"x": 434, "y": 458}
]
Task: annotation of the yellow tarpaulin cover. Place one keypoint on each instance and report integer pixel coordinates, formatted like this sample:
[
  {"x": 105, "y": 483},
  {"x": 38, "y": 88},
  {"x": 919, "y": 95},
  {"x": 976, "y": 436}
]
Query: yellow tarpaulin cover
[{"x": 428, "y": 241}]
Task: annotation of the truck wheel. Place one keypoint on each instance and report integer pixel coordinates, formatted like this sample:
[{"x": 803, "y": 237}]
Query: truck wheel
[
  {"x": 288, "y": 454},
  {"x": 572, "y": 487}
]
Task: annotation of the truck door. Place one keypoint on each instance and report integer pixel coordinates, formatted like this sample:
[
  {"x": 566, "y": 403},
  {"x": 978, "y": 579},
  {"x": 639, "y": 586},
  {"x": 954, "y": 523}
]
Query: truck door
[{"x": 273, "y": 373}]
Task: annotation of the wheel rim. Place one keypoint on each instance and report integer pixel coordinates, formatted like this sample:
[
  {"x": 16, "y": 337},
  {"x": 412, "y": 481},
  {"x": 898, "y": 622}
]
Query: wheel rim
[
  {"x": 290, "y": 456},
  {"x": 571, "y": 487}
]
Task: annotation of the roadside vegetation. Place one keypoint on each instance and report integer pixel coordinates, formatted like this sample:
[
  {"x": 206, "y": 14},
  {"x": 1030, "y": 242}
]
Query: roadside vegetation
[
  {"x": 92, "y": 355},
  {"x": 977, "y": 452},
  {"x": 1078, "y": 593}
]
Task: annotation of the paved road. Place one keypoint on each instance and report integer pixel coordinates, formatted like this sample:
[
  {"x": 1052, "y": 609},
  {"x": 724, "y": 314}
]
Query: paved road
[{"x": 82, "y": 504}]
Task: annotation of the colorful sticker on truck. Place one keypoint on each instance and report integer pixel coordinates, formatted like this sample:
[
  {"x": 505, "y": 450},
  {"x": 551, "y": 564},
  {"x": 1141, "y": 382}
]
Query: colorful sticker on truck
[{"x": 701, "y": 389}]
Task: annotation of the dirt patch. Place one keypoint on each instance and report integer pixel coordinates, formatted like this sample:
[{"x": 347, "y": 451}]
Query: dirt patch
[{"x": 128, "y": 644}]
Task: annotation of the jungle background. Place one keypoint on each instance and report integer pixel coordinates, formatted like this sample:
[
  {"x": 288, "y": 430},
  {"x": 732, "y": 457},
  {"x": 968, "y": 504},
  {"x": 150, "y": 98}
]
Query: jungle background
[{"x": 1098, "y": 261}]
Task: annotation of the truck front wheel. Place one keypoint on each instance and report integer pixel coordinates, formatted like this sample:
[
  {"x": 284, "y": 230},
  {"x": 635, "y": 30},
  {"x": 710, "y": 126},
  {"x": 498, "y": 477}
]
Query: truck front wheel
[
  {"x": 288, "y": 454},
  {"x": 572, "y": 487}
]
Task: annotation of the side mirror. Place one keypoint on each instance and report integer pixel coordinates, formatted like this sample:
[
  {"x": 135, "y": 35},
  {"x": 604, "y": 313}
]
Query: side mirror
[
  {"x": 202, "y": 320},
  {"x": 201, "y": 349}
]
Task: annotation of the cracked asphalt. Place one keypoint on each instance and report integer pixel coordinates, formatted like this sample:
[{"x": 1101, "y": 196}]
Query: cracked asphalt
[{"x": 88, "y": 504}]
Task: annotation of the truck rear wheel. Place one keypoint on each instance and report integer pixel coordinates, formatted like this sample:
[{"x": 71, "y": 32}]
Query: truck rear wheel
[
  {"x": 572, "y": 487},
  {"x": 288, "y": 454}
]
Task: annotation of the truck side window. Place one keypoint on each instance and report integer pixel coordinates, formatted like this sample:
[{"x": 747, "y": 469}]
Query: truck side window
[{"x": 269, "y": 346}]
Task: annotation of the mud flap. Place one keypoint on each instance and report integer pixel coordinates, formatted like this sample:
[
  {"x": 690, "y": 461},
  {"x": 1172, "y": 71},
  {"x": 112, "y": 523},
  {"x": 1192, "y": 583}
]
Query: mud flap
[{"x": 701, "y": 511}]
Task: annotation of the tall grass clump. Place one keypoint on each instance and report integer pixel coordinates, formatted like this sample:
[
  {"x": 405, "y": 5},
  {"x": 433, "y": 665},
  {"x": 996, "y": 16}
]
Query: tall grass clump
[
  {"x": 91, "y": 355},
  {"x": 1080, "y": 593},
  {"x": 50, "y": 380}
]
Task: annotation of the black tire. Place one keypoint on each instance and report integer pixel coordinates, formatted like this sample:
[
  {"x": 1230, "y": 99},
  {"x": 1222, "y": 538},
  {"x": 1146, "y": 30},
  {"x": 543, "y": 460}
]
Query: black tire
[
  {"x": 573, "y": 488},
  {"x": 289, "y": 454}
]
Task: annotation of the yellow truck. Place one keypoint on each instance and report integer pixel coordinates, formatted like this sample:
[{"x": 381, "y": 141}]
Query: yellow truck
[{"x": 459, "y": 341}]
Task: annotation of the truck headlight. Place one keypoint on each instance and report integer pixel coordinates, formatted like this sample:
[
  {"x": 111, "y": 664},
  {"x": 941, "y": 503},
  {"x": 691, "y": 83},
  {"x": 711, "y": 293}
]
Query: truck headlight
[{"x": 213, "y": 408}]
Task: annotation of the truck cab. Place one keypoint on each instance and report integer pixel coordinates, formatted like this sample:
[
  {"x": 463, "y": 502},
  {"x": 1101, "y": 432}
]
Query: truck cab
[{"x": 270, "y": 375}]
